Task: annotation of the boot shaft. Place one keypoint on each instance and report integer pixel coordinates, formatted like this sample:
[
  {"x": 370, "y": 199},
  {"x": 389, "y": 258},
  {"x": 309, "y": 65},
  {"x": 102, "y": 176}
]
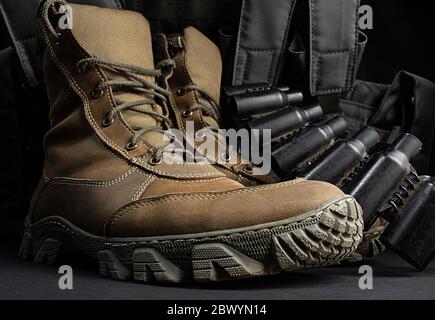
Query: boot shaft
[
  {"x": 89, "y": 70},
  {"x": 195, "y": 83},
  {"x": 196, "y": 78}
]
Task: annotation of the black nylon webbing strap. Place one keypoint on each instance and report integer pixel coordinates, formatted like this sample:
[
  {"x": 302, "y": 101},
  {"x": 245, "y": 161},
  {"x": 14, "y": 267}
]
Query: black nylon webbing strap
[
  {"x": 333, "y": 45},
  {"x": 333, "y": 39},
  {"x": 15, "y": 33},
  {"x": 261, "y": 41}
]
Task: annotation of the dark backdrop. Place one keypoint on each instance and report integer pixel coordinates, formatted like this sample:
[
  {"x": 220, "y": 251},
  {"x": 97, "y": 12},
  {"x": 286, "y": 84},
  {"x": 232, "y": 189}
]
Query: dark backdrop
[{"x": 402, "y": 39}]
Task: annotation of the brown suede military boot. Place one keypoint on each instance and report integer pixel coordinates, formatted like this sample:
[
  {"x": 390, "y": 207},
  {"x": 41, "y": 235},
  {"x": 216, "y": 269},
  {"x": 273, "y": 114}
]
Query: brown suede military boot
[
  {"x": 106, "y": 192},
  {"x": 195, "y": 81}
]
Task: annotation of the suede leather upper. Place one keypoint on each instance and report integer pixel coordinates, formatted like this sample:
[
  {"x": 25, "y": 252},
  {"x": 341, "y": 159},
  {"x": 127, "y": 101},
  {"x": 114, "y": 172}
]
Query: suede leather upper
[
  {"x": 199, "y": 63},
  {"x": 93, "y": 181}
]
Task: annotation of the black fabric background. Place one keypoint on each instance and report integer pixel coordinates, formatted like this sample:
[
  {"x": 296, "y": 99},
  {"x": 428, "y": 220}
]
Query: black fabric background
[{"x": 402, "y": 39}]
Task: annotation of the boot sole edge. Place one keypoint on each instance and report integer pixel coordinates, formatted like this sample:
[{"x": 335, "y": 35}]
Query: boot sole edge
[{"x": 323, "y": 237}]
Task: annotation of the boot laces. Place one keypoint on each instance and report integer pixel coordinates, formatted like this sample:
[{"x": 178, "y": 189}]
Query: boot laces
[
  {"x": 209, "y": 108},
  {"x": 132, "y": 82}
]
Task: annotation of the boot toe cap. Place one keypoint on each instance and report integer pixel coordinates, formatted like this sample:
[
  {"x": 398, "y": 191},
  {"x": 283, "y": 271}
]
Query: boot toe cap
[{"x": 192, "y": 213}]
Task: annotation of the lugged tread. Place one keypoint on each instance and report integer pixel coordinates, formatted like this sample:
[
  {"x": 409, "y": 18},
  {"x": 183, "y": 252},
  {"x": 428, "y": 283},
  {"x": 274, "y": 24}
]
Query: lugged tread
[
  {"x": 149, "y": 265},
  {"x": 25, "y": 252},
  {"x": 48, "y": 252},
  {"x": 316, "y": 245},
  {"x": 306, "y": 240},
  {"x": 110, "y": 266},
  {"x": 218, "y": 262},
  {"x": 324, "y": 237}
]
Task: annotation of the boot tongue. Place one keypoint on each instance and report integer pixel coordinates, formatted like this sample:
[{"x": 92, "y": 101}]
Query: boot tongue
[
  {"x": 121, "y": 36},
  {"x": 204, "y": 64}
]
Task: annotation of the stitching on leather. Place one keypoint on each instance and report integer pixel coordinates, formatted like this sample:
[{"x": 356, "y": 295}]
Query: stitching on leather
[
  {"x": 312, "y": 220},
  {"x": 186, "y": 73},
  {"x": 109, "y": 95},
  {"x": 193, "y": 196},
  {"x": 235, "y": 172},
  {"x": 113, "y": 154},
  {"x": 308, "y": 221},
  {"x": 177, "y": 111},
  {"x": 165, "y": 173},
  {"x": 80, "y": 183},
  {"x": 79, "y": 91},
  {"x": 90, "y": 183},
  {"x": 195, "y": 94},
  {"x": 143, "y": 187},
  {"x": 82, "y": 94},
  {"x": 63, "y": 227},
  {"x": 193, "y": 181},
  {"x": 102, "y": 136}
]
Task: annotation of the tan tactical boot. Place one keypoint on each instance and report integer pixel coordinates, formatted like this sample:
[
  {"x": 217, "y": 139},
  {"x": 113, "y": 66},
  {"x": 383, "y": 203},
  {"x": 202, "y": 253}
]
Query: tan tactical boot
[
  {"x": 195, "y": 81},
  {"x": 106, "y": 192}
]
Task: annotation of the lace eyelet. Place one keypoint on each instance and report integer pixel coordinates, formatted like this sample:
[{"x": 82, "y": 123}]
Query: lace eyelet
[
  {"x": 80, "y": 68},
  {"x": 248, "y": 169},
  {"x": 154, "y": 161},
  {"x": 97, "y": 92},
  {"x": 187, "y": 114},
  {"x": 107, "y": 121},
  {"x": 226, "y": 156},
  {"x": 180, "y": 92},
  {"x": 131, "y": 146},
  {"x": 200, "y": 134}
]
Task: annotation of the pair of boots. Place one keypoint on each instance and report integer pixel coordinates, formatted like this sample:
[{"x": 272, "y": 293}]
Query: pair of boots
[{"x": 106, "y": 191}]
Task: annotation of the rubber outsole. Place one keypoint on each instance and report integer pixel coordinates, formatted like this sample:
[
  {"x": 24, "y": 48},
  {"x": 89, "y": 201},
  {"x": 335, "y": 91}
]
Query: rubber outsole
[
  {"x": 370, "y": 246},
  {"x": 323, "y": 237}
]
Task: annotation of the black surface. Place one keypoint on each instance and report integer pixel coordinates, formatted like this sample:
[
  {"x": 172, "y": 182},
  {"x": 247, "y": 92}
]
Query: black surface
[
  {"x": 399, "y": 40},
  {"x": 393, "y": 279}
]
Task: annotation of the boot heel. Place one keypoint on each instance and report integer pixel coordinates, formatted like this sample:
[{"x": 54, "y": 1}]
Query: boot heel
[
  {"x": 25, "y": 252},
  {"x": 41, "y": 251}
]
